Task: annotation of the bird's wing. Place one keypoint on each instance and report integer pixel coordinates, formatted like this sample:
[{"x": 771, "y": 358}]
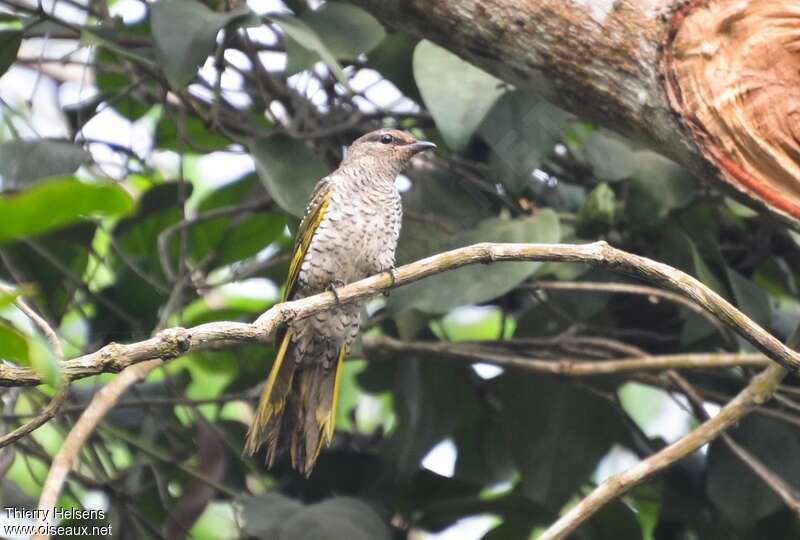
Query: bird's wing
[{"x": 315, "y": 213}]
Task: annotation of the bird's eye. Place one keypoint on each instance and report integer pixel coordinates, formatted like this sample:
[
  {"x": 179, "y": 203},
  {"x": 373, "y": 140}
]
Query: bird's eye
[{"x": 387, "y": 139}]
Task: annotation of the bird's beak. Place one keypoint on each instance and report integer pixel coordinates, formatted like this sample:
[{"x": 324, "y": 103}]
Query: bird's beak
[{"x": 420, "y": 146}]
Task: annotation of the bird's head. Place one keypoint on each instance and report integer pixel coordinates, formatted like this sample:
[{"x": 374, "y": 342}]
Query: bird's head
[{"x": 385, "y": 148}]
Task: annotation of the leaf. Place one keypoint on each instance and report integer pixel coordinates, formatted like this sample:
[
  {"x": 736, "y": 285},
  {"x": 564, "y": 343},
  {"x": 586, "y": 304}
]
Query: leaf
[
  {"x": 69, "y": 249},
  {"x": 10, "y": 41},
  {"x": 13, "y": 345},
  {"x": 137, "y": 237},
  {"x": 22, "y": 162},
  {"x": 184, "y": 34},
  {"x": 479, "y": 283},
  {"x": 610, "y": 158},
  {"x": 232, "y": 240},
  {"x": 263, "y": 515},
  {"x": 739, "y": 495},
  {"x": 192, "y": 130},
  {"x": 116, "y": 88},
  {"x": 289, "y": 170},
  {"x": 614, "y": 520},
  {"x": 300, "y": 34},
  {"x": 425, "y": 414},
  {"x": 393, "y": 59},
  {"x": 58, "y": 202},
  {"x": 557, "y": 433},
  {"x": 456, "y": 93},
  {"x": 521, "y": 130},
  {"x": 596, "y": 214},
  {"x": 345, "y": 31},
  {"x": 658, "y": 187},
  {"x": 275, "y": 517},
  {"x": 750, "y": 299}
]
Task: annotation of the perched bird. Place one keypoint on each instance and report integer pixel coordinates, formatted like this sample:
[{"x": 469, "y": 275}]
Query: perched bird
[{"x": 349, "y": 232}]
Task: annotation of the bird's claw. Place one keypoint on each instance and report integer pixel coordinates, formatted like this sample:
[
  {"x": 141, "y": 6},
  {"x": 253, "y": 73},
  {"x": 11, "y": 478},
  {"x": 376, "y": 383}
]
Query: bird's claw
[
  {"x": 393, "y": 275},
  {"x": 333, "y": 285}
]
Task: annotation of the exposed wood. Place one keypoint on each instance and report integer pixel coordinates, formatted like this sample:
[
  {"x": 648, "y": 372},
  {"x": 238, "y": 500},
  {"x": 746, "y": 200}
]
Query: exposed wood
[
  {"x": 608, "y": 61},
  {"x": 734, "y": 76}
]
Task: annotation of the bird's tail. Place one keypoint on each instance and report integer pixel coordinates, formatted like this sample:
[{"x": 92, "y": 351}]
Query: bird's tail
[{"x": 297, "y": 409}]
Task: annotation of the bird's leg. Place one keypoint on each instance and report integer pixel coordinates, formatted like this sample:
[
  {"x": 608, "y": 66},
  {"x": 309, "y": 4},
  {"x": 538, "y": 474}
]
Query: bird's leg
[
  {"x": 393, "y": 275},
  {"x": 333, "y": 285}
]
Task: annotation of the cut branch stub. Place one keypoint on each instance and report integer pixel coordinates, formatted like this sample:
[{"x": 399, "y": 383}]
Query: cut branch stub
[{"x": 733, "y": 75}]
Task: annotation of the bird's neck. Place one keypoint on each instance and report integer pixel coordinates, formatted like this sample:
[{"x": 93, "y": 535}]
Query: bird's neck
[{"x": 370, "y": 171}]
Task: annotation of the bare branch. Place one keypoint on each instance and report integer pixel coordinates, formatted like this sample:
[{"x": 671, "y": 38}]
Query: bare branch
[
  {"x": 576, "y": 367},
  {"x": 758, "y": 391},
  {"x": 173, "y": 342}
]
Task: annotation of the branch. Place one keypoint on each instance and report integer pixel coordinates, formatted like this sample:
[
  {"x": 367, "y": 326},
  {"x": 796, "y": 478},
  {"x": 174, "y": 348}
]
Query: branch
[
  {"x": 634, "y": 66},
  {"x": 628, "y": 288},
  {"x": 576, "y": 367},
  {"x": 785, "y": 491},
  {"x": 757, "y": 392},
  {"x": 174, "y": 342}
]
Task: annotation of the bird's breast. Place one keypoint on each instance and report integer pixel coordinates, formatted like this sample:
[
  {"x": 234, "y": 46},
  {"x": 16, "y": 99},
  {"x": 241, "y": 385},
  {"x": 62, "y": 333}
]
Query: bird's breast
[{"x": 357, "y": 238}]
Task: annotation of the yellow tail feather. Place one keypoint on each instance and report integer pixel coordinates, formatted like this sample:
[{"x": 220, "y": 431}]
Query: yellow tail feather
[
  {"x": 330, "y": 424},
  {"x": 268, "y": 407}
]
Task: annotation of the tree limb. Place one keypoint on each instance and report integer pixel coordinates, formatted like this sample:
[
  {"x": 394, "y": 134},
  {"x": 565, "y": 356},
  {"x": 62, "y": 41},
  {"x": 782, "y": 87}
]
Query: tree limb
[
  {"x": 709, "y": 83},
  {"x": 575, "y": 367},
  {"x": 173, "y": 342},
  {"x": 757, "y": 392}
]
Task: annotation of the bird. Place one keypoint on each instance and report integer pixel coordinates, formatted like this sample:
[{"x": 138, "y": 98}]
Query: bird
[{"x": 349, "y": 231}]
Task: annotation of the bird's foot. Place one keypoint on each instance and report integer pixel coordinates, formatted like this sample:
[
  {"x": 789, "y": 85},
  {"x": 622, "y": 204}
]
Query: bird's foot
[
  {"x": 393, "y": 276},
  {"x": 333, "y": 286}
]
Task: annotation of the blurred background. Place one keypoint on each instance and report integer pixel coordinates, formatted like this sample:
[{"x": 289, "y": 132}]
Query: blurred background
[{"x": 154, "y": 160}]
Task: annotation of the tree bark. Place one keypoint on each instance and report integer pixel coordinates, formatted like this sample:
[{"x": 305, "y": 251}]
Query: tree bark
[{"x": 713, "y": 84}]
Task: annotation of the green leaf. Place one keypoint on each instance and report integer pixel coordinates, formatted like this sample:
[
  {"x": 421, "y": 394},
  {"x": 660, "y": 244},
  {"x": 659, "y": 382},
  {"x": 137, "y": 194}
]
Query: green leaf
[
  {"x": 289, "y": 170},
  {"x": 301, "y": 40},
  {"x": 658, "y": 187},
  {"x": 393, "y": 59},
  {"x": 596, "y": 214},
  {"x": 69, "y": 249},
  {"x": 615, "y": 520},
  {"x": 184, "y": 33},
  {"x": 232, "y": 239},
  {"x": 22, "y": 162},
  {"x": 479, "y": 283},
  {"x": 58, "y": 202},
  {"x": 345, "y": 31},
  {"x": 521, "y": 130},
  {"x": 275, "y": 517},
  {"x": 425, "y": 414},
  {"x": 739, "y": 495},
  {"x": 13, "y": 345},
  {"x": 750, "y": 299},
  {"x": 557, "y": 433},
  {"x": 9, "y": 46},
  {"x": 610, "y": 158},
  {"x": 116, "y": 88},
  {"x": 44, "y": 361},
  {"x": 456, "y": 93},
  {"x": 197, "y": 136}
]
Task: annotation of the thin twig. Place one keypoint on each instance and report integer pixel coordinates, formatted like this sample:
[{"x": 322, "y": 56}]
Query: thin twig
[
  {"x": 758, "y": 391},
  {"x": 166, "y": 235},
  {"x": 787, "y": 493},
  {"x": 39, "y": 420},
  {"x": 628, "y": 288},
  {"x": 577, "y": 367}
]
